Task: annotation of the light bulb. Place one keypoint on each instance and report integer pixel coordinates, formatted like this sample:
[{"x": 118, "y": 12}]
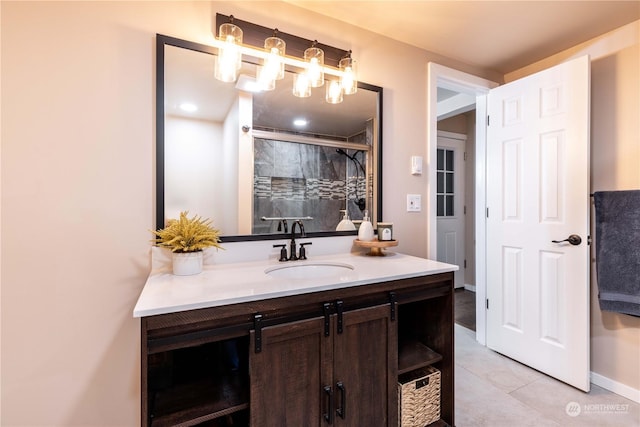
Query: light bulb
[
  {"x": 334, "y": 92},
  {"x": 315, "y": 63},
  {"x": 301, "y": 86},
  {"x": 349, "y": 79}
]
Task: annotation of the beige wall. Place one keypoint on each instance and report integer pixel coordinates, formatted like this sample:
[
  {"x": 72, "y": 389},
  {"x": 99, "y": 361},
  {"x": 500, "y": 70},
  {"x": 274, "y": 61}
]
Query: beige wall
[
  {"x": 456, "y": 124},
  {"x": 615, "y": 165},
  {"x": 77, "y": 181}
]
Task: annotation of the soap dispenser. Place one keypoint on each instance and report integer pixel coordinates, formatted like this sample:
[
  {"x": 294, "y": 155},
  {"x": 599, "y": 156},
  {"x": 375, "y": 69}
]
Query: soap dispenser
[
  {"x": 365, "y": 232},
  {"x": 345, "y": 224}
]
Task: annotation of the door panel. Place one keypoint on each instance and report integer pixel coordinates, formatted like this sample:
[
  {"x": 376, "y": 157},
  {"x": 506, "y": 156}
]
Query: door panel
[
  {"x": 512, "y": 295},
  {"x": 366, "y": 367},
  {"x": 288, "y": 375},
  {"x": 450, "y": 204},
  {"x": 538, "y": 191}
]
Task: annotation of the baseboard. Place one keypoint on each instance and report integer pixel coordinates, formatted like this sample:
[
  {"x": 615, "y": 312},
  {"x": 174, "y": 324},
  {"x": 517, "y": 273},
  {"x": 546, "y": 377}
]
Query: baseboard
[
  {"x": 471, "y": 288},
  {"x": 616, "y": 387}
]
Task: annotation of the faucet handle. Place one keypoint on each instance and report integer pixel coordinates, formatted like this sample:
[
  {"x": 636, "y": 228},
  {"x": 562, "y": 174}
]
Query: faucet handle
[
  {"x": 303, "y": 251},
  {"x": 283, "y": 252}
]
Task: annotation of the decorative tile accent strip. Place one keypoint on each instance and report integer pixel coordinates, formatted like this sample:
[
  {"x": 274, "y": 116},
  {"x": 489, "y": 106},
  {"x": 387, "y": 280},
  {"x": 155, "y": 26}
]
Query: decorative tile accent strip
[
  {"x": 313, "y": 189},
  {"x": 265, "y": 187},
  {"x": 333, "y": 190},
  {"x": 354, "y": 183},
  {"x": 262, "y": 187},
  {"x": 288, "y": 188}
]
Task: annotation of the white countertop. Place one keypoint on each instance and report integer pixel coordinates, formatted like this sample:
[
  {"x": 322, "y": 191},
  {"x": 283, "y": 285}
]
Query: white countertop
[{"x": 233, "y": 283}]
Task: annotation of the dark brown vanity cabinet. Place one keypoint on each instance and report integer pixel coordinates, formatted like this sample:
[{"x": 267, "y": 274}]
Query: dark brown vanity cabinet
[
  {"x": 339, "y": 369},
  {"x": 329, "y": 358}
]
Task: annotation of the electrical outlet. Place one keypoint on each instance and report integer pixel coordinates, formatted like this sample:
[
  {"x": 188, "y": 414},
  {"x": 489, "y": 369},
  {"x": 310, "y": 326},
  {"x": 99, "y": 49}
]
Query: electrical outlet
[{"x": 414, "y": 203}]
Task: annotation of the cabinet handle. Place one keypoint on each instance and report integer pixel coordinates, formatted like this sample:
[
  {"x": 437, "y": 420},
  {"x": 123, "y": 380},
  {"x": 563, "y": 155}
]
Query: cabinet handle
[
  {"x": 327, "y": 315},
  {"x": 341, "y": 411},
  {"x": 328, "y": 416},
  {"x": 339, "y": 310},
  {"x": 257, "y": 326},
  {"x": 392, "y": 302}
]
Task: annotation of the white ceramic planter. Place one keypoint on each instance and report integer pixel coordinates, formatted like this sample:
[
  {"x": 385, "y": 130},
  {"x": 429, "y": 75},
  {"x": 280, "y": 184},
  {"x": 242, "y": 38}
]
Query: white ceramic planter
[{"x": 187, "y": 264}]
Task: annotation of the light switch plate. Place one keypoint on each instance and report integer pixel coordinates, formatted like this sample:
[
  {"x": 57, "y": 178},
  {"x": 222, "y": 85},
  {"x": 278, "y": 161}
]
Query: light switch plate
[{"x": 414, "y": 203}]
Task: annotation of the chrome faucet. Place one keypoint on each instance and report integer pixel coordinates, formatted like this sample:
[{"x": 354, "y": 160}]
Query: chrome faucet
[{"x": 292, "y": 245}]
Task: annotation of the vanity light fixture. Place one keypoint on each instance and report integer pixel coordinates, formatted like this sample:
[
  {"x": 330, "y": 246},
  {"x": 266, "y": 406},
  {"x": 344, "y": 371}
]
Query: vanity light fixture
[
  {"x": 301, "y": 86},
  {"x": 274, "y": 62},
  {"x": 309, "y": 71},
  {"x": 334, "y": 92},
  {"x": 349, "y": 79},
  {"x": 229, "y": 59},
  {"x": 314, "y": 57}
]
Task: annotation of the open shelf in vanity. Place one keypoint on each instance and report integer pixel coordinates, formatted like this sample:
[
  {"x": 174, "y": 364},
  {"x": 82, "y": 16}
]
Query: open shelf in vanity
[
  {"x": 193, "y": 384},
  {"x": 413, "y": 355},
  {"x": 425, "y": 338}
]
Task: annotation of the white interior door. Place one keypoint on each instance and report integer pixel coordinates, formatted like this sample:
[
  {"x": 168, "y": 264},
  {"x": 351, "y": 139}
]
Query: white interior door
[
  {"x": 538, "y": 192},
  {"x": 450, "y": 202}
]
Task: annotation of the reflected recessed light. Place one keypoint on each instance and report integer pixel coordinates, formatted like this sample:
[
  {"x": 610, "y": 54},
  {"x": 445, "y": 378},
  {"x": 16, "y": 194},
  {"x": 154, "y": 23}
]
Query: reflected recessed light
[
  {"x": 300, "y": 122},
  {"x": 188, "y": 107}
]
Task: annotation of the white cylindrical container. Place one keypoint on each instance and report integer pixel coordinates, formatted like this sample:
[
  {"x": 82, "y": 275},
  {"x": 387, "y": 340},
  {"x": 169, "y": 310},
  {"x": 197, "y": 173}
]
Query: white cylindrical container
[{"x": 187, "y": 263}]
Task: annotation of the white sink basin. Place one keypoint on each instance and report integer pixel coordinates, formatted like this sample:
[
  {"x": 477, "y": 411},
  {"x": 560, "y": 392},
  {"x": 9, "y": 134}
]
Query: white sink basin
[{"x": 310, "y": 270}]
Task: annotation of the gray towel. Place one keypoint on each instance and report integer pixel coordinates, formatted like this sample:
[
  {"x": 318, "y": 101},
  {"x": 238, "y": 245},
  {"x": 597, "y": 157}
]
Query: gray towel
[{"x": 618, "y": 250}]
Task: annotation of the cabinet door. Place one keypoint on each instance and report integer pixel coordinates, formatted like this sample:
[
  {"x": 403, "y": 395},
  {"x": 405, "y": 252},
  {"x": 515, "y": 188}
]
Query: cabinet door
[
  {"x": 365, "y": 368},
  {"x": 289, "y": 375}
]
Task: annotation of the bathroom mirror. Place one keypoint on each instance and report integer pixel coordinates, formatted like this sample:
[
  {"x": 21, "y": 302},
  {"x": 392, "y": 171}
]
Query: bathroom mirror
[{"x": 232, "y": 155}]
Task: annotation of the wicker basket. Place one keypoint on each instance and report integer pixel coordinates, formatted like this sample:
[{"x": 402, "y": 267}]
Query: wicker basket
[{"x": 419, "y": 397}]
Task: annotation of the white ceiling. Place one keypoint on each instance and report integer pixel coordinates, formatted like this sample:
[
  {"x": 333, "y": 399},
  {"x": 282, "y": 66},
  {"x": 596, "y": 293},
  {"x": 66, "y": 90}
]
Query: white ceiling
[{"x": 502, "y": 36}]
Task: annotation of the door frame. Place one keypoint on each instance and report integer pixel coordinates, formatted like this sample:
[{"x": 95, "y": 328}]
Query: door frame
[{"x": 448, "y": 78}]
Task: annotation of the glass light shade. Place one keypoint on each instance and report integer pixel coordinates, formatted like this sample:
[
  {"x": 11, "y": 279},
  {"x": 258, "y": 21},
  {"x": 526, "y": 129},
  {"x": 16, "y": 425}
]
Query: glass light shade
[
  {"x": 265, "y": 79},
  {"x": 334, "y": 92},
  {"x": 224, "y": 68},
  {"x": 301, "y": 86},
  {"x": 229, "y": 58},
  {"x": 274, "y": 62},
  {"x": 314, "y": 57},
  {"x": 349, "y": 79}
]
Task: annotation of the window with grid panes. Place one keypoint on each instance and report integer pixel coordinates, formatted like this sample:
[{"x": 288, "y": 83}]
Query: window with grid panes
[{"x": 445, "y": 176}]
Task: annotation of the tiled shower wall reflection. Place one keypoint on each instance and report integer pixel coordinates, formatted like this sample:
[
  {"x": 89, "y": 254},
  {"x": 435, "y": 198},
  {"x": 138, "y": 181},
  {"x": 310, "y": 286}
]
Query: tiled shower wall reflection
[{"x": 297, "y": 180}]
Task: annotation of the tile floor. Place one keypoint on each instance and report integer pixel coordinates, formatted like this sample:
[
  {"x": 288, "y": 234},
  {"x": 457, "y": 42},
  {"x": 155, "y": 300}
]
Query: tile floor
[
  {"x": 465, "y": 308},
  {"x": 493, "y": 390}
]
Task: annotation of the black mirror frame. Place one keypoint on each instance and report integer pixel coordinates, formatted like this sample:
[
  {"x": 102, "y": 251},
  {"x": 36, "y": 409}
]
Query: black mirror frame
[{"x": 161, "y": 42}]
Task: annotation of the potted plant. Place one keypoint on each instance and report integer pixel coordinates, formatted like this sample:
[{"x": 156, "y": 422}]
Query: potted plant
[{"x": 187, "y": 237}]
